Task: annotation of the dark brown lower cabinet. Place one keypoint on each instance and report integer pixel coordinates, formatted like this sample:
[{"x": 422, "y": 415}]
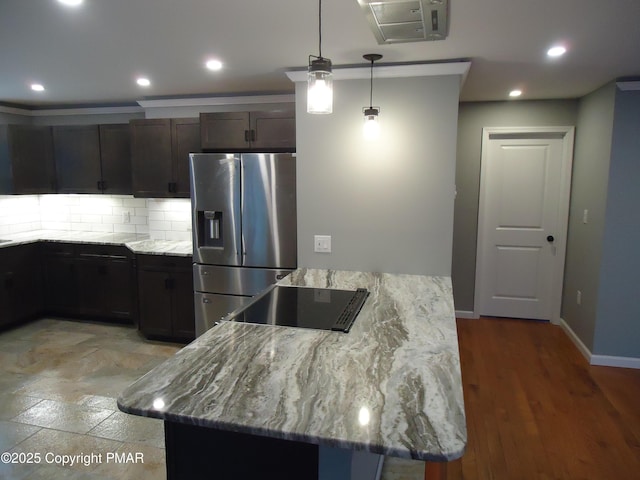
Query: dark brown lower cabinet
[
  {"x": 165, "y": 297},
  {"x": 21, "y": 287},
  {"x": 59, "y": 275},
  {"x": 106, "y": 282},
  {"x": 89, "y": 280}
]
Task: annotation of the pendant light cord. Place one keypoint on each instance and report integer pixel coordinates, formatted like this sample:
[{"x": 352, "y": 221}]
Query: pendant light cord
[
  {"x": 371, "y": 89},
  {"x": 320, "y": 27}
]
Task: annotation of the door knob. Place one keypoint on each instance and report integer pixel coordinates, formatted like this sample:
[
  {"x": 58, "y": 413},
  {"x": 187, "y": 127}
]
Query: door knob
[{"x": 550, "y": 238}]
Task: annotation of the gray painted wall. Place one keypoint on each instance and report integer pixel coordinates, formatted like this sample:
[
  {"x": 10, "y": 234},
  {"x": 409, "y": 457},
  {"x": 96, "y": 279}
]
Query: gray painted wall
[
  {"x": 387, "y": 205},
  {"x": 472, "y": 118},
  {"x": 617, "y": 329},
  {"x": 588, "y": 191}
]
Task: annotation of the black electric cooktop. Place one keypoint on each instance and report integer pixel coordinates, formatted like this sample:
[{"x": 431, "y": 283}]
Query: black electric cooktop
[{"x": 319, "y": 308}]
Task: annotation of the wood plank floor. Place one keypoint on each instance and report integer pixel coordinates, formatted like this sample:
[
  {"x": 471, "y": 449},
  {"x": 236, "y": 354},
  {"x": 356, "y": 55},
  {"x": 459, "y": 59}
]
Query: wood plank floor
[{"x": 537, "y": 410}]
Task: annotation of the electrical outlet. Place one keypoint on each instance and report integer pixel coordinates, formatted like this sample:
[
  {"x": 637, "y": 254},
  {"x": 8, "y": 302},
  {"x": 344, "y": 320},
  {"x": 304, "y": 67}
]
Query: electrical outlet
[
  {"x": 579, "y": 297},
  {"x": 126, "y": 217},
  {"x": 322, "y": 243},
  {"x": 585, "y": 216}
]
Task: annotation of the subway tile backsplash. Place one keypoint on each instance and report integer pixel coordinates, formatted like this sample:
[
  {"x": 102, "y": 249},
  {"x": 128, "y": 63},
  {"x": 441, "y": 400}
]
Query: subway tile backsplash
[{"x": 161, "y": 219}]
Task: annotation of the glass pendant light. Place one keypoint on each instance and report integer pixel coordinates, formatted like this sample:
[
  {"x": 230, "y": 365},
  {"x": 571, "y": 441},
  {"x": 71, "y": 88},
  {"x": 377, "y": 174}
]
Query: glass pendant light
[
  {"x": 371, "y": 129},
  {"x": 320, "y": 79}
]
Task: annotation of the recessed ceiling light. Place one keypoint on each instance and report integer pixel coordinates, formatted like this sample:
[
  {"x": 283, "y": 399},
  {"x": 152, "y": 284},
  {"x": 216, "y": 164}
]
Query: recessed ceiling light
[
  {"x": 143, "y": 82},
  {"x": 36, "y": 87},
  {"x": 214, "y": 65},
  {"x": 515, "y": 93},
  {"x": 71, "y": 3},
  {"x": 556, "y": 51}
]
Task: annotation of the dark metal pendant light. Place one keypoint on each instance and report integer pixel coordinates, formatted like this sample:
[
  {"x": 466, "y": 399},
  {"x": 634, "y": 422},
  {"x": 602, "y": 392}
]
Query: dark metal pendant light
[
  {"x": 320, "y": 79},
  {"x": 371, "y": 125}
]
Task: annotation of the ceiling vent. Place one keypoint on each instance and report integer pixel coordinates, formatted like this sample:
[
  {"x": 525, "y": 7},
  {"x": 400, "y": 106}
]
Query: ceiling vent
[{"x": 397, "y": 21}]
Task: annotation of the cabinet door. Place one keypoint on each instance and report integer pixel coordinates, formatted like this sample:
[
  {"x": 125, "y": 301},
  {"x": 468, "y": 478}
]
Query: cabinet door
[
  {"x": 154, "y": 302},
  {"x": 25, "y": 282},
  {"x": 5, "y": 286},
  {"x": 60, "y": 285},
  {"x": 151, "y": 162},
  {"x": 184, "y": 325},
  {"x": 76, "y": 150},
  {"x": 115, "y": 158},
  {"x": 105, "y": 287},
  {"x": 119, "y": 296},
  {"x": 273, "y": 131},
  {"x": 31, "y": 152},
  {"x": 227, "y": 132},
  {"x": 185, "y": 139}
]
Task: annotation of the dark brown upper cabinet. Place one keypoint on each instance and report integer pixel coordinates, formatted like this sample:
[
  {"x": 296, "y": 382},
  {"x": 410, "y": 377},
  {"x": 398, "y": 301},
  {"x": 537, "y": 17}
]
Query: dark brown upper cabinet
[
  {"x": 92, "y": 158},
  {"x": 248, "y": 131},
  {"x": 76, "y": 150},
  {"x": 115, "y": 158},
  {"x": 185, "y": 139},
  {"x": 26, "y": 160},
  {"x": 160, "y": 155}
]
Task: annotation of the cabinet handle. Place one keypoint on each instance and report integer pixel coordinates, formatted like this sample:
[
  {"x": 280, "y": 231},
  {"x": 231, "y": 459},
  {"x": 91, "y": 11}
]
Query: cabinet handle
[
  {"x": 168, "y": 283},
  {"x": 103, "y": 186},
  {"x": 246, "y": 135}
]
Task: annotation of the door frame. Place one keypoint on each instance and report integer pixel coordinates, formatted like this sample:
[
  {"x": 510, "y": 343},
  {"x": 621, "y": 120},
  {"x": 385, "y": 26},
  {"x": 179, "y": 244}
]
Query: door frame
[{"x": 568, "y": 134}]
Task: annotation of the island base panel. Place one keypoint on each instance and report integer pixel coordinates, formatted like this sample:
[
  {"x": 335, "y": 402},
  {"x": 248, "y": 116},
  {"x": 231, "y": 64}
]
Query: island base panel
[
  {"x": 204, "y": 453},
  {"x": 435, "y": 471}
]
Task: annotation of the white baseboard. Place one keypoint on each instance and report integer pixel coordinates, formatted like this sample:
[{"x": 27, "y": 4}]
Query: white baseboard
[
  {"x": 466, "y": 314},
  {"x": 611, "y": 361},
  {"x": 600, "y": 360},
  {"x": 576, "y": 340}
]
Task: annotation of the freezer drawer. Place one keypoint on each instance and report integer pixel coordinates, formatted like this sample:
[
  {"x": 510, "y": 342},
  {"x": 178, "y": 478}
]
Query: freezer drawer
[
  {"x": 235, "y": 280},
  {"x": 211, "y": 308}
]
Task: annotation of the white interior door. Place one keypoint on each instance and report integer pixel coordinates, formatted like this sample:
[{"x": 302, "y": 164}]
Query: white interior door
[{"x": 522, "y": 224}]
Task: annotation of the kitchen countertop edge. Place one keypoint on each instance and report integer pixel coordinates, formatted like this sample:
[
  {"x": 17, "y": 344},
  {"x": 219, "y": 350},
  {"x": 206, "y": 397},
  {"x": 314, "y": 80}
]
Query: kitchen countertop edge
[{"x": 139, "y": 244}]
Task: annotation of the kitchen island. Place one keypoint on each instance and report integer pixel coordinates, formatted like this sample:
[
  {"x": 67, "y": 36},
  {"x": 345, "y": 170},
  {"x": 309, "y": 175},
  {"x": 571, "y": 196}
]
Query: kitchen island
[{"x": 391, "y": 386}]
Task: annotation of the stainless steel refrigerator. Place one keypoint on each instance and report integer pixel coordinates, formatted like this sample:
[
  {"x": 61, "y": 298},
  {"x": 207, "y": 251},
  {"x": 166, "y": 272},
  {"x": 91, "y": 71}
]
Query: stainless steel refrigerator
[{"x": 244, "y": 228}]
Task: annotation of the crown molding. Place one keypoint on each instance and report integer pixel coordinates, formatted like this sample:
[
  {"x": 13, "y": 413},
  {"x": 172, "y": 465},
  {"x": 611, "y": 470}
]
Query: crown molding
[
  {"x": 44, "y": 112},
  {"x": 391, "y": 71},
  {"x": 209, "y": 101},
  {"x": 629, "y": 85}
]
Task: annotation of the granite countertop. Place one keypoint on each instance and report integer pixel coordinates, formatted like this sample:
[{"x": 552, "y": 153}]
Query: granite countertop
[
  {"x": 137, "y": 243},
  {"x": 391, "y": 386}
]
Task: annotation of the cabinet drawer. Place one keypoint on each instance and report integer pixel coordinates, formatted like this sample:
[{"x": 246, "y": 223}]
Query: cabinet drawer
[
  {"x": 58, "y": 249},
  {"x": 103, "y": 251},
  {"x": 164, "y": 262}
]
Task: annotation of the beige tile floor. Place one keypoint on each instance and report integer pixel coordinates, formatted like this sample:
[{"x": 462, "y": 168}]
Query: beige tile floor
[{"x": 59, "y": 381}]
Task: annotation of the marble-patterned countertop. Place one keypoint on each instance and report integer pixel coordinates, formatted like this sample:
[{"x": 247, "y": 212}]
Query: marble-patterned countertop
[
  {"x": 391, "y": 386},
  {"x": 137, "y": 243},
  {"x": 180, "y": 248}
]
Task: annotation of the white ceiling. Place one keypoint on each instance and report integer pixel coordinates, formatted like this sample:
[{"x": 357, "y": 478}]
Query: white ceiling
[{"x": 93, "y": 53}]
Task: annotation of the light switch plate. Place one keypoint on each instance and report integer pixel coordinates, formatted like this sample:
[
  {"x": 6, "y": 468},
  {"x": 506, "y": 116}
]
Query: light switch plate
[{"x": 322, "y": 243}]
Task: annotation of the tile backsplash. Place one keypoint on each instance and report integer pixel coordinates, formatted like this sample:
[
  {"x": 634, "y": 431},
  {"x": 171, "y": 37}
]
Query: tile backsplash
[{"x": 161, "y": 219}]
